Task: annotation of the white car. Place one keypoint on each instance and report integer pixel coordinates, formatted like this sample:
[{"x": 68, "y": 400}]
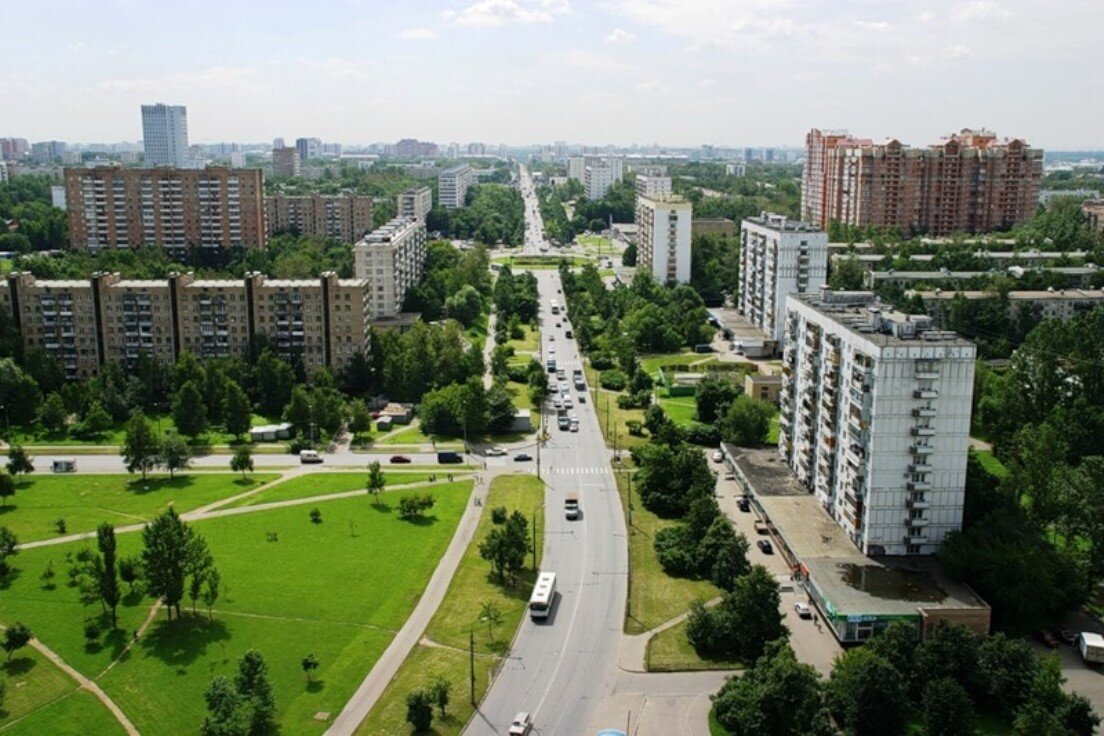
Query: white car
[
  {"x": 804, "y": 610},
  {"x": 718, "y": 457},
  {"x": 568, "y": 403},
  {"x": 496, "y": 451},
  {"x": 551, "y": 348},
  {"x": 522, "y": 725}
]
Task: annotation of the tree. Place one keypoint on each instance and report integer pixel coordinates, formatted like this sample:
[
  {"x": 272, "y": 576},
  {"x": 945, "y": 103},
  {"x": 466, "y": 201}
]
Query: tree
[
  {"x": 753, "y": 607},
  {"x": 16, "y": 636},
  {"x": 465, "y": 306},
  {"x": 7, "y": 487},
  {"x": 299, "y": 411},
  {"x": 253, "y": 685},
  {"x": 713, "y": 396},
  {"x": 1050, "y": 710},
  {"x": 867, "y": 694},
  {"x": 189, "y": 410},
  {"x": 141, "y": 446},
  {"x": 722, "y": 554},
  {"x": 48, "y": 575},
  {"x": 412, "y": 507},
  {"x": 506, "y": 546},
  {"x": 9, "y": 547},
  {"x": 237, "y": 410},
  {"x": 226, "y": 714},
  {"x": 309, "y": 664},
  {"x": 212, "y": 580},
  {"x": 360, "y": 419},
  {"x": 377, "y": 481},
  {"x": 175, "y": 453},
  {"x": 419, "y": 710},
  {"x": 109, "y": 576},
  {"x": 242, "y": 461},
  {"x": 19, "y": 461},
  {"x": 53, "y": 413},
  {"x": 165, "y": 558},
  {"x": 947, "y": 708},
  {"x": 746, "y": 422},
  {"x": 492, "y": 615},
  {"x": 96, "y": 420},
  {"x": 948, "y": 650},
  {"x": 129, "y": 571},
  {"x": 439, "y": 693}
]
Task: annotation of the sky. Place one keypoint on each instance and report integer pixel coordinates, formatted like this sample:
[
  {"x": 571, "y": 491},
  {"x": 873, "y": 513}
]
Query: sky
[{"x": 622, "y": 72}]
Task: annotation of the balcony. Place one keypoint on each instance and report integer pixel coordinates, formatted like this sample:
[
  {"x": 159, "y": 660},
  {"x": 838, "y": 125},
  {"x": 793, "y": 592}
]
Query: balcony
[
  {"x": 916, "y": 536},
  {"x": 918, "y": 485},
  {"x": 917, "y": 504},
  {"x": 918, "y": 522},
  {"x": 925, "y": 393},
  {"x": 922, "y": 431},
  {"x": 926, "y": 374},
  {"x": 919, "y": 467},
  {"x": 922, "y": 449},
  {"x": 924, "y": 411}
]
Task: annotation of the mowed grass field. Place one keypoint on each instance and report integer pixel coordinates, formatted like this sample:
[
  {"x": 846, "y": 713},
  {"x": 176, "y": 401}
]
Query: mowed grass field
[
  {"x": 338, "y": 589},
  {"x": 41, "y": 698},
  {"x": 320, "y": 484},
  {"x": 86, "y": 501},
  {"x": 77, "y": 714},
  {"x": 459, "y": 616}
]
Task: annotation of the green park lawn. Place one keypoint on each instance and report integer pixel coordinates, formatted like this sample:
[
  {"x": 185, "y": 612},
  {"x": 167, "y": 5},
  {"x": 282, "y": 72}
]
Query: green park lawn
[
  {"x": 530, "y": 343},
  {"x": 670, "y": 651},
  {"x": 679, "y": 409},
  {"x": 990, "y": 462},
  {"x": 458, "y": 616},
  {"x": 41, "y": 698},
  {"x": 320, "y": 484},
  {"x": 86, "y": 501},
  {"x": 37, "y": 436},
  {"x": 338, "y": 589},
  {"x": 772, "y": 433},
  {"x": 414, "y": 435},
  {"x": 654, "y": 596},
  {"x": 611, "y": 416},
  {"x": 76, "y": 714}
]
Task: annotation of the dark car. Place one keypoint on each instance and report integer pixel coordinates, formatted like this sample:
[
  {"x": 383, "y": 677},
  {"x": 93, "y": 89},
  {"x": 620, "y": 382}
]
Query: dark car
[
  {"x": 1048, "y": 639},
  {"x": 400, "y": 459},
  {"x": 522, "y": 457},
  {"x": 744, "y": 505},
  {"x": 765, "y": 546},
  {"x": 449, "y": 457},
  {"x": 1067, "y": 636}
]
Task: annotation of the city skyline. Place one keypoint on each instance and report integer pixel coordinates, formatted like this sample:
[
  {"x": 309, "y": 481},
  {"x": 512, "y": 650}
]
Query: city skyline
[{"x": 760, "y": 72}]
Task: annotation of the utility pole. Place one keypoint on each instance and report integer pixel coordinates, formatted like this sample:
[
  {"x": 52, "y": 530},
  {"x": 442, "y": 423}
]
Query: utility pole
[
  {"x": 534, "y": 539},
  {"x": 471, "y": 664}
]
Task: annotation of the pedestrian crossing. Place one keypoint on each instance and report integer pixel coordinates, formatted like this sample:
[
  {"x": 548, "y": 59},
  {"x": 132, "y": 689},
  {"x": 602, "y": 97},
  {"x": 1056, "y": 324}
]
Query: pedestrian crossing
[{"x": 567, "y": 470}]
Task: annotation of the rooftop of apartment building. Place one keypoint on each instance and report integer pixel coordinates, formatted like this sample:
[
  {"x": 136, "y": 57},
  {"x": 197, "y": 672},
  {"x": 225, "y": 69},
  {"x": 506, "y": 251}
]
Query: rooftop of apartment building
[
  {"x": 1052, "y": 293},
  {"x": 453, "y": 170},
  {"x": 781, "y": 223},
  {"x": 946, "y": 273},
  {"x": 416, "y": 190},
  {"x": 391, "y": 230},
  {"x": 863, "y": 314},
  {"x": 670, "y": 199}
]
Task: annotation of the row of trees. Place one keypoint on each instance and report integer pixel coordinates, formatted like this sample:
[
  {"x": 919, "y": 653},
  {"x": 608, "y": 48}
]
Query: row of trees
[
  {"x": 494, "y": 213},
  {"x": 467, "y": 409},
  {"x": 447, "y": 273},
  {"x": 39, "y": 225}
]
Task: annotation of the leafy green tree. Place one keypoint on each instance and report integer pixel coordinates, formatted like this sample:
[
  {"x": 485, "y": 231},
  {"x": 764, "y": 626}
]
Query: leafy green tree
[
  {"x": 867, "y": 694},
  {"x": 506, "y": 546},
  {"x": 722, "y": 554},
  {"x": 377, "y": 481},
  {"x": 413, "y": 507},
  {"x": 360, "y": 419},
  {"x": 309, "y": 664},
  {"x": 7, "y": 487},
  {"x": 897, "y": 645},
  {"x": 746, "y": 422},
  {"x": 671, "y": 478},
  {"x": 253, "y": 685},
  {"x": 16, "y": 636},
  {"x": 465, "y": 306},
  {"x": 188, "y": 369},
  {"x": 19, "y": 461},
  {"x": 1050, "y": 710},
  {"x": 175, "y": 454},
  {"x": 95, "y": 421},
  {"x": 274, "y": 380},
  {"x": 419, "y": 710},
  {"x": 48, "y": 575},
  {"x": 212, "y": 582},
  {"x": 130, "y": 571},
  {"x": 237, "y": 410},
  {"x": 53, "y": 414},
  {"x": 947, "y": 709},
  {"x": 299, "y": 412},
  {"x": 9, "y": 547},
  {"x": 19, "y": 394},
  {"x": 242, "y": 461},
  {"x": 141, "y": 445},
  {"x": 490, "y": 614},
  {"x": 167, "y": 547},
  {"x": 713, "y": 397},
  {"x": 109, "y": 577},
  {"x": 189, "y": 410},
  {"x": 226, "y": 711},
  {"x": 948, "y": 650},
  {"x": 439, "y": 693}
]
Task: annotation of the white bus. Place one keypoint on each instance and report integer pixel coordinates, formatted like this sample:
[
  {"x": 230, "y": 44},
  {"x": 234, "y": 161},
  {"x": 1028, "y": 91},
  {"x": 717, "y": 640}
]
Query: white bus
[{"x": 544, "y": 593}]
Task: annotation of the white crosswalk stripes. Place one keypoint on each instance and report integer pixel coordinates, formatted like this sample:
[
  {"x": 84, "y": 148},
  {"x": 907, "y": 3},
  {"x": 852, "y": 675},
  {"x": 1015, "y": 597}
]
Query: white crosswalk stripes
[{"x": 598, "y": 470}]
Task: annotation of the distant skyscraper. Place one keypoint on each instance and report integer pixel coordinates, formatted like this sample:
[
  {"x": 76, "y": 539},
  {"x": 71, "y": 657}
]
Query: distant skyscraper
[
  {"x": 165, "y": 134},
  {"x": 308, "y": 148},
  {"x": 277, "y": 142}
]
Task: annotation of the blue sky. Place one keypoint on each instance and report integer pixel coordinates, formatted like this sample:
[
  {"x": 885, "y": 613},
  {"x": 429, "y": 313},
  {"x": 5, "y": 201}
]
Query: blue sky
[{"x": 675, "y": 72}]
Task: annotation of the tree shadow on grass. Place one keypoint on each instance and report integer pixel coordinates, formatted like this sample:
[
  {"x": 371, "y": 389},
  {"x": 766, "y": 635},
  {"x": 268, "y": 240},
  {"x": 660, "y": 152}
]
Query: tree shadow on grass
[
  {"x": 382, "y": 507},
  {"x": 9, "y": 577},
  {"x": 184, "y": 640},
  {"x": 7, "y": 508},
  {"x": 18, "y": 666},
  {"x": 316, "y": 686},
  {"x": 141, "y": 487},
  {"x": 421, "y": 520}
]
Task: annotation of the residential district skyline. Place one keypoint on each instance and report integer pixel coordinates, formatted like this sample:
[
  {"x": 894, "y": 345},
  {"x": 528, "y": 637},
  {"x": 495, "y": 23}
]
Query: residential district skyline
[{"x": 676, "y": 72}]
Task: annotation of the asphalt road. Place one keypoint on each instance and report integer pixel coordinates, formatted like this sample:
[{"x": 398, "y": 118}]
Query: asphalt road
[
  {"x": 562, "y": 668},
  {"x": 114, "y": 463}
]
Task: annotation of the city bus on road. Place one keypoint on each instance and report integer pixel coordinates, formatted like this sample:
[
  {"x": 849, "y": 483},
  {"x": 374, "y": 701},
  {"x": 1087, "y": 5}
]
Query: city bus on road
[
  {"x": 544, "y": 594},
  {"x": 555, "y": 307}
]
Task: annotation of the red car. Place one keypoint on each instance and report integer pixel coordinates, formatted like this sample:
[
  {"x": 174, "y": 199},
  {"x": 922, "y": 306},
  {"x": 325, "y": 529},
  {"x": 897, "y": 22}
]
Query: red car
[{"x": 400, "y": 459}]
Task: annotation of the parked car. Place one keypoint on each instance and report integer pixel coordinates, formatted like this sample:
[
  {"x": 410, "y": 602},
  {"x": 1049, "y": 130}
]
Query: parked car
[
  {"x": 744, "y": 505},
  {"x": 582, "y": 398},
  {"x": 718, "y": 457},
  {"x": 309, "y": 456},
  {"x": 804, "y": 610},
  {"x": 496, "y": 451},
  {"x": 765, "y": 547},
  {"x": 522, "y": 457},
  {"x": 1067, "y": 636},
  {"x": 1048, "y": 639},
  {"x": 522, "y": 725},
  {"x": 397, "y": 459}
]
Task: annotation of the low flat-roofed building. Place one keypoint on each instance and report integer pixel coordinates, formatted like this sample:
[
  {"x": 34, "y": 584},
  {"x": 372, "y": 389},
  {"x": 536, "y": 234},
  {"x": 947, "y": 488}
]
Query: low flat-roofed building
[
  {"x": 763, "y": 387},
  {"x": 1075, "y": 276},
  {"x": 749, "y": 339},
  {"x": 1061, "y": 304},
  {"x": 858, "y": 596}
]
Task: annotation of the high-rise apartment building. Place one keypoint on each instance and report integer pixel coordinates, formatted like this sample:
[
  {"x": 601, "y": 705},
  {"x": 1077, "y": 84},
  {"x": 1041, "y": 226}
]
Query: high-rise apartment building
[
  {"x": 597, "y": 179},
  {"x": 414, "y": 148},
  {"x": 452, "y": 186},
  {"x": 84, "y": 324},
  {"x": 415, "y": 202},
  {"x": 165, "y": 134},
  {"x": 970, "y": 182},
  {"x": 652, "y": 186},
  {"x": 177, "y": 209},
  {"x": 285, "y": 161},
  {"x": 876, "y": 417},
  {"x": 778, "y": 257},
  {"x": 663, "y": 242},
  {"x": 392, "y": 261},
  {"x": 343, "y": 217},
  {"x": 576, "y": 167},
  {"x": 46, "y": 152},
  {"x": 308, "y": 148},
  {"x": 13, "y": 149}
]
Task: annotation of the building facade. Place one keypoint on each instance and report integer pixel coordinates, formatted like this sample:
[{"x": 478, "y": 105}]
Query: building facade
[
  {"x": 663, "y": 245},
  {"x": 415, "y": 202},
  {"x": 285, "y": 161},
  {"x": 875, "y": 418},
  {"x": 970, "y": 182},
  {"x": 652, "y": 186},
  {"x": 165, "y": 134},
  {"x": 452, "y": 186},
  {"x": 308, "y": 148},
  {"x": 392, "y": 261},
  {"x": 576, "y": 167},
  {"x": 1059, "y": 304},
  {"x": 778, "y": 257},
  {"x": 177, "y": 209},
  {"x": 84, "y": 324},
  {"x": 341, "y": 217},
  {"x": 13, "y": 149},
  {"x": 1094, "y": 210}
]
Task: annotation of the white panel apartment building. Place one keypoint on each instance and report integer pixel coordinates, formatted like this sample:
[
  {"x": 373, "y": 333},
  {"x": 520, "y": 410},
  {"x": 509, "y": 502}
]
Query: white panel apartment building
[
  {"x": 392, "y": 259},
  {"x": 652, "y": 186},
  {"x": 778, "y": 256},
  {"x": 165, "y": 134},
  {"x": 415, "y": 202},
  {"x": 663, "y": 247},
  {"x": 876, "y": 417},
  {"x": 597, "y": 179},
  {"x": 576, "y": 167},
  {"x": 452, "y": 186}
]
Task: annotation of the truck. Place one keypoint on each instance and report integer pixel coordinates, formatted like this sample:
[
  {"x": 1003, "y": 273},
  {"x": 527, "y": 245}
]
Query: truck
[
  {"x": 447, "y": 458},
  {"x": 571, "y": 505},
  {"x": 1091, "y": 646}
]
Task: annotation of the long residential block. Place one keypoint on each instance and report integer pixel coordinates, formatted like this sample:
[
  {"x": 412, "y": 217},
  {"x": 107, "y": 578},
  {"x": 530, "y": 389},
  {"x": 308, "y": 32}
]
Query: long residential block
[
  {"x": 875, "y": 418},
  {"x": 344, "y": 217}
]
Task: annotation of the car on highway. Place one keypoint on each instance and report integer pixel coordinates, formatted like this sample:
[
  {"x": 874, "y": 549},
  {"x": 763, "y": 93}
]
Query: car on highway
[
  {"x": 567, "y": 402},
  {"x": 574, "y": 426},
  {"x": 765, "y": 547},
  {"x": 399, "y": 459},
  {"x": 582, "y": 398},
  {"x": 551, "y": 348},
  {"x": 496, "y": 451},
  {"x": 804, "y": 610},
  {"x": 522, "y": 725},
  {"x": 522, "y": 457}
]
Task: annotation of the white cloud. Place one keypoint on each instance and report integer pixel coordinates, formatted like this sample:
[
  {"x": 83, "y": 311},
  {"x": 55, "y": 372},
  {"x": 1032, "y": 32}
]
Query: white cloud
[
  {"x": 494, "y": 13},
  {"x": 706, "y": 83},
  {"x": 419, "y": 34},
  {"x": 590, "y": 60},
  {"x": 750, "y": 24},
  {"x": 958, "y": 51},
  {"x": 653, "y": 85},
  {"x": 209, "y": 78},
  {"x": 869, "y": 25},
  {"x": 620, "y": 35},
  {"x": 980, "y": 10}
]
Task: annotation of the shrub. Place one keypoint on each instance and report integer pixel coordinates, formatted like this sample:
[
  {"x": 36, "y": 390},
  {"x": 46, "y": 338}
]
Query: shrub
[
  {"x": 315, "y": 516},
  {"x": 298, "y": 444},
  {"x": 601, "y": 361},
  {"x": 636, "y": 428},
  {"x": 705, "y": 435},
  {"x": 676, "y": 550},
  {"x": 614, "y": 380},
  {"x": 518, "y": 372},
  {"x": 499, "y": 515},
  {"x": 412, "y": 507},
  {"x": 91, "y": 631}
]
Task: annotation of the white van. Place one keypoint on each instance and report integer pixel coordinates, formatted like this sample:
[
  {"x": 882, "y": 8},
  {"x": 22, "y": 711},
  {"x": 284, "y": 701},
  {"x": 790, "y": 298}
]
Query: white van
[
  {"x": 309, "y": 456},
  {"x": 1091, "y": 647}
]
